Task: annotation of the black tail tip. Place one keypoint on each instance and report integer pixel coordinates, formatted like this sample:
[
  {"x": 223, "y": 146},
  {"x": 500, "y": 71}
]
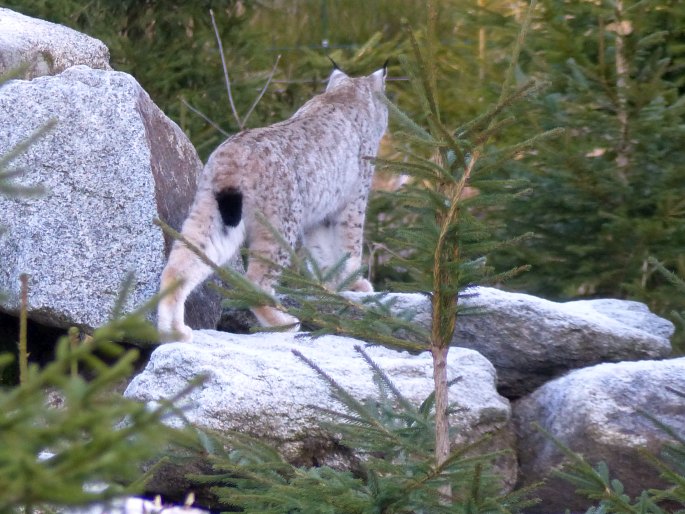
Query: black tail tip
[{"x": 230, "y": 203}]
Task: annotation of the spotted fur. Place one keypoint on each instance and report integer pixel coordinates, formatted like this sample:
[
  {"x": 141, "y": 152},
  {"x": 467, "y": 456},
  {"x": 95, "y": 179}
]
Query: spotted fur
[{"x": 309, "y": 176}]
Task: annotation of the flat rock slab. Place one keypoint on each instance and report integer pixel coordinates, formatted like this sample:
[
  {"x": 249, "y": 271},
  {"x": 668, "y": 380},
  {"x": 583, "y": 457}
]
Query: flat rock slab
[
  {"x": 599, "y": 412},
  {"x": 531, "y": 340},
  {"x": 255, "y": 384},
  {"x": 111, "y": 165},
  {"x": 43, "y": 48}
]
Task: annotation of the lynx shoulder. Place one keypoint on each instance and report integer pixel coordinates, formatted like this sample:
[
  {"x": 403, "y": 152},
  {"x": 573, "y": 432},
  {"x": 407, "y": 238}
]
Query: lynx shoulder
[{"x": 309, "y": 176}]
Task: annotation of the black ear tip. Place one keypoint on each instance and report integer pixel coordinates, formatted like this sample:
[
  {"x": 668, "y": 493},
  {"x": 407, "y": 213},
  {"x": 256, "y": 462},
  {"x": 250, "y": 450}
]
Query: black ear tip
[
  {"x": 385, "y": 64},
  {"x": 335, "y": 64}
]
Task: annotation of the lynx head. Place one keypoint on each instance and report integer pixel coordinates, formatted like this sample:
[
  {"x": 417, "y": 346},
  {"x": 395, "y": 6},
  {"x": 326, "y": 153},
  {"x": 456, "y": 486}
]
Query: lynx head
[
  {"x": 366, "y": 92},
  {"x": 375, "y": 81}
]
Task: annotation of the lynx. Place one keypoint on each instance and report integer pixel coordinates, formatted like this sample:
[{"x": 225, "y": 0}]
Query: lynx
[{"x": 308, "y": 176}]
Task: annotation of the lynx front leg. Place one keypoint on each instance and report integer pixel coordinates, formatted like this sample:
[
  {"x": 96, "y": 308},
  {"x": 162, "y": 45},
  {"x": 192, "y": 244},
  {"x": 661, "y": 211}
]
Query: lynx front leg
[
  {"x": 351, "y": 233},
  {"x": 323, "y": 244},
  {"x": 344, "y": 236},
  {"x": 330, "y": 241}
]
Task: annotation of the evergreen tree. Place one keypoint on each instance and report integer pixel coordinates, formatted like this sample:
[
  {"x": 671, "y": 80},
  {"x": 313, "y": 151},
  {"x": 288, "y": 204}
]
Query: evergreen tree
[
  {"x": 678, "y": 283},
  {"x": 92, "y": 446},
  {"x": 611, "y": 193}
]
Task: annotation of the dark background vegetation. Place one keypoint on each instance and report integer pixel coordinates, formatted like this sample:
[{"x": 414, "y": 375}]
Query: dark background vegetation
[{"x": 603, "y": 198}]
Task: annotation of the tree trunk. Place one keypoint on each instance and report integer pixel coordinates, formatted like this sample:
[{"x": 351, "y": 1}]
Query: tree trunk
[
  {"x": 442, "y": 427},
  {"x": 481, "y": 49},
  {"x": 622, "y": 28}
]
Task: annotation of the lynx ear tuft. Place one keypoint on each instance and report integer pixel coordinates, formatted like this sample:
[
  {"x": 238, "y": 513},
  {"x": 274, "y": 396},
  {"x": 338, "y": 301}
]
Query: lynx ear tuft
[
  {"x": 335, "y": 64},
  {"x": 379, "y": 77}
]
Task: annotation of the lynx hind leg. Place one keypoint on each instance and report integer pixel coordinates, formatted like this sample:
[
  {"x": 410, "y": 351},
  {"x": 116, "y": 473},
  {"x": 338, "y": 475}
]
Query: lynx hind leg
[
  {"x": 184, "y": 270},
  {"x": 264, "y": 249}
]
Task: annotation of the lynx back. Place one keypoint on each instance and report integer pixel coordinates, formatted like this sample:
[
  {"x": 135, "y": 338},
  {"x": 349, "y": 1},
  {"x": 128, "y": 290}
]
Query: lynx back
[{"x": 308, "y": 176}]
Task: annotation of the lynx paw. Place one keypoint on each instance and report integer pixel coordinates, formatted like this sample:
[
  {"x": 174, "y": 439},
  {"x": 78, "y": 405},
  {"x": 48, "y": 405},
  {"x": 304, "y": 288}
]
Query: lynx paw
[
  {"x": 362, "y": 286},
  {"x": 180, "y": 333},
  {"x": 270, "y": 317}
]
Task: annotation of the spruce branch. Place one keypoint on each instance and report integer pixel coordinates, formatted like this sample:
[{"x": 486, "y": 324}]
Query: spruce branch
[
  {"x": 263, "y": 90},
  {"x": 449, "y": 140},
  {"x": 349, "y": 401},
  {"x": 497, "y": 159},
  {"x": 424, "y": 72},
  {"x": 674, "y": 279},
  {"x": 406, "y": 122},
  {"x": 7, "y": 175},
  {"x": 429, "y": 402},
  {"x": 229, "y": 89},
  {"x": 93, "y": 436},
  {"x": 383, "y": 378},
  {"x": 426, "y": 169},
  {"x": 486, "y": 119},
  {"x": 518, "y": 47},
  {"x": 202, "y": 115}
]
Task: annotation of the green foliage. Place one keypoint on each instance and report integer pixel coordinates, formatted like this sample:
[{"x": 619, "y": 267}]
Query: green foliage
[
  {"x": 678, "y": 284},
  {"x": 609, "y": 194},
  {"x": 396, "y": 471},
  {"x": 48, "y": 453}
]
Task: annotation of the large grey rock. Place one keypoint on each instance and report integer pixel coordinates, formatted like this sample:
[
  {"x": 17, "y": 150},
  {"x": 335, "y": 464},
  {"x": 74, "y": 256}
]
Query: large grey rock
[
  {"x": 531, "y": 340},
  {"x": 256, "y": 385},
  {"x": 45, "y": 48},
  {"x": 598, "y": 412},
  {"x": 112, "y": 164}
]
